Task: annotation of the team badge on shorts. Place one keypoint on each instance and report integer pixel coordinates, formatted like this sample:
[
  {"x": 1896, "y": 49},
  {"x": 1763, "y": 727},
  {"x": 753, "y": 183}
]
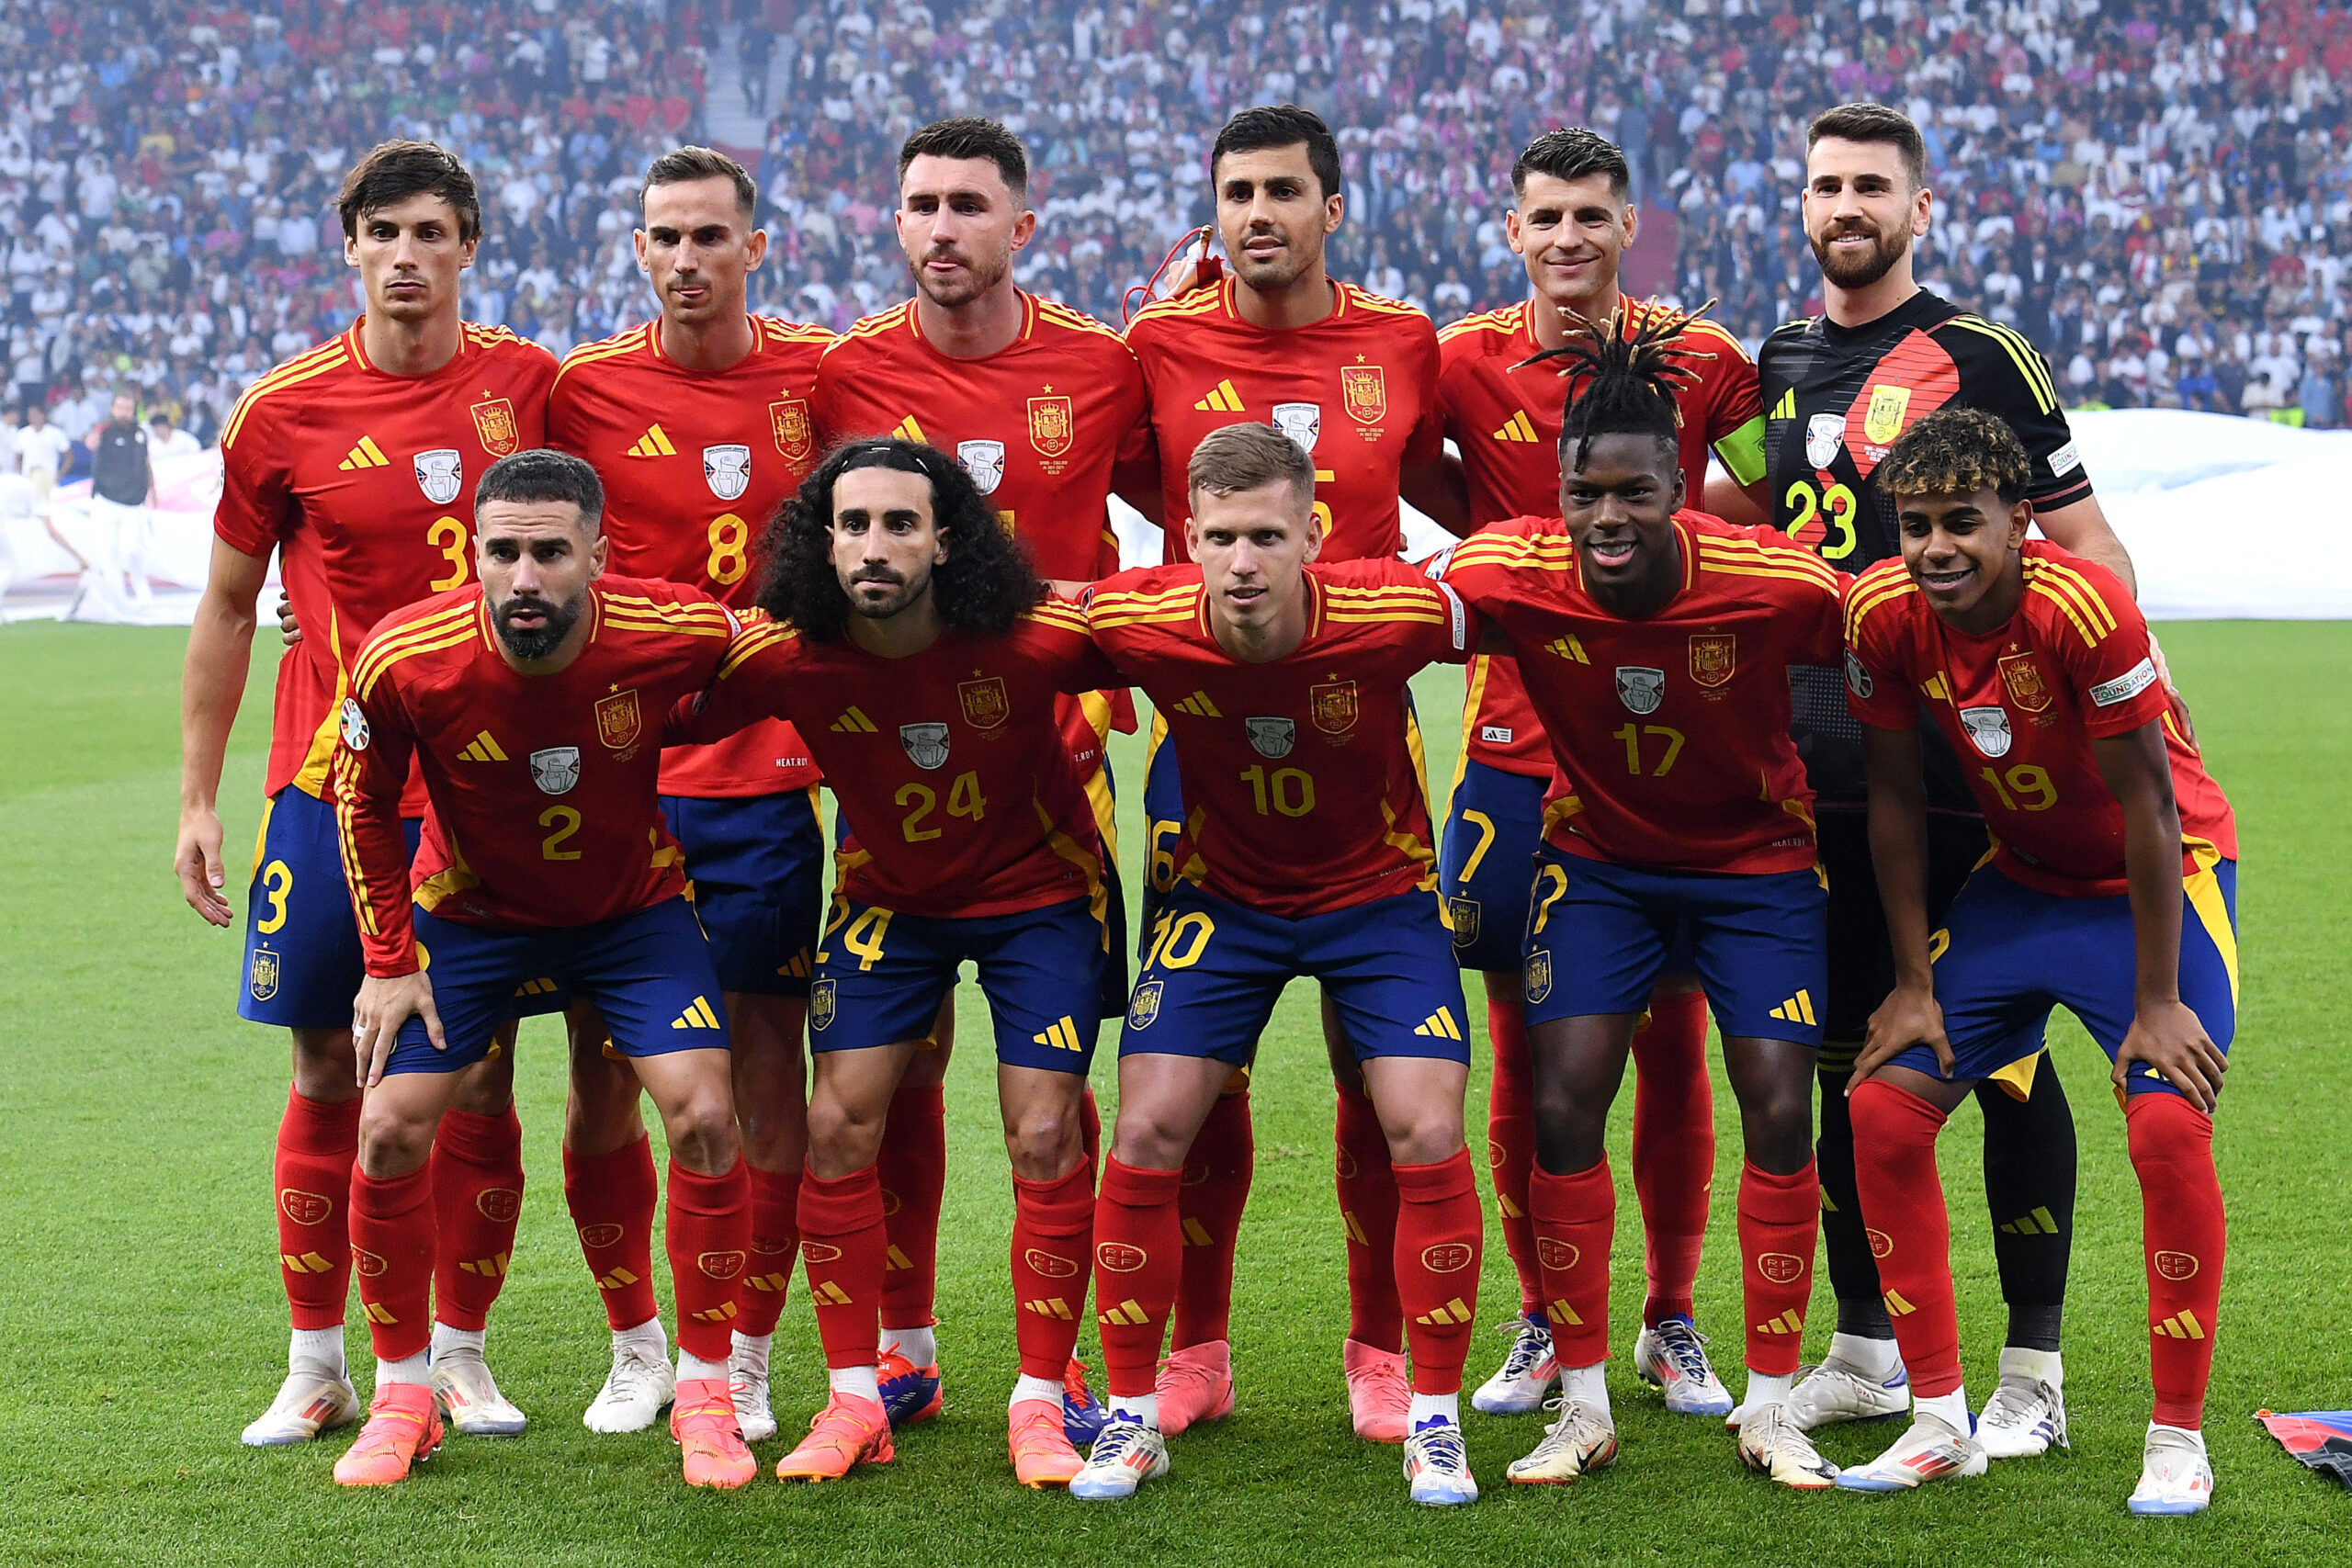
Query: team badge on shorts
[
  {"x": 355, "y": 726},
  {"x": 1539, "y": 974},
  {"x": 985, "y": 705},
  {"x": 440, "y": 474},
  {"x": 1332, "y": 706},
  {"x": 618, "y": 720},
  {"x": 1145, "y": 1007},
  {"x": 1823, "y": 433},
  {"x": 796, "y": 438},
  {"x": 494, "y": 422},
  {"x": 728, "y": 470},
  {"x": 1052, "y": 425},
  {"x": 984, "y": 461},
  {"x": 820, "y": 1004},
  {"x": 1271, "y": 737},
  {"x": 925, "y": 743},
  {"x": 1989, "y": 729},
  {"x": 1714, "y": 659},
  {"x": 2022, "y": 676},
  {"x": 556, "y": 770},
  {"x": 1641, "y": 690},
  {"x": 1303, "y": 423},
  {"x": 261, "y": 979},
  {"x": 1462, "y": 914},
  {"x": 1364, "y": 390}
]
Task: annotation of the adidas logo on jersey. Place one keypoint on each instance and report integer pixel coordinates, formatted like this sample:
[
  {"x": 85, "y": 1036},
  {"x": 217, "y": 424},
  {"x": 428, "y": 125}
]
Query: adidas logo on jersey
[
  {"x": 483, "y": 747},
  {"x": 910, "y": 431},
  {"x": 851, "y": 722},
  {"x": 1787, "y": 407},
  {"x": 366, "y": 454},
  {"x": 1199, "y": 706},
  {"x": 654, "y": 443},
  {"x": 1518, "y": 428},
  {"x": 1440, "y": 1025},
  {"x": 2038, "y": 1222},
  {"x": 1222, "y": 398},
  {"x": 1796, "y": 1010},
  {"x": 1567, "y": 647},
  {"x": 697, "y": 1016},
  {"x": 1060, "y": 1035}
]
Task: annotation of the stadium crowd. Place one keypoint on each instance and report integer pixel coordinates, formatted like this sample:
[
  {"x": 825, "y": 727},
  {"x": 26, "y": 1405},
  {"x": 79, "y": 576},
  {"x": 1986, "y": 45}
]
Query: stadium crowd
[{"x": 2157, "y": 192}]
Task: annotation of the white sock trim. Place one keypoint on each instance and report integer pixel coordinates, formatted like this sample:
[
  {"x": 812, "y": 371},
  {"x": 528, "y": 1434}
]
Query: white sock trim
[
  {"x": 1951, "y": 1409},
  {"x": 446, "y": 1339},
  {"x": 1026, "y": 1387},
  {"x": 693, "y": 1366},
  {"x": 1433, "y": 1406},
  {"x": 919, "y": 1346},
  {"x": 318, "y": 1349},
  {"x": 1876, "y": 1359},
  {"x": 1588, "y": 1384},
  {"x": 1143, "y": 1407},
  {"x": 408, "y": 1370},
  {"x": 859, "y": 1380}
]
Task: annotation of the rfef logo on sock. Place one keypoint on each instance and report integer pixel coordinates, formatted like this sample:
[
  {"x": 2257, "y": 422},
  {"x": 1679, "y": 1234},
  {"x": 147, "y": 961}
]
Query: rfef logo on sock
[{"x": 1446, "y": 1258}]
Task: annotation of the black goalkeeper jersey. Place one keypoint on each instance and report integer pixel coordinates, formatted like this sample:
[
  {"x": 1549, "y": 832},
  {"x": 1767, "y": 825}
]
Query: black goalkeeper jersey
[{"x": 1835, "y": 398}]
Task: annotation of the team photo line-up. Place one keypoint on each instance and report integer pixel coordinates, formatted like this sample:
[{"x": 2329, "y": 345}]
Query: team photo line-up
[{"x": 1830, "y": 745}]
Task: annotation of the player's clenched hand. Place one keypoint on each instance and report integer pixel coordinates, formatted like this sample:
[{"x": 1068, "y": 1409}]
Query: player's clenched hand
[
  {"x": 2178, "y": 704},
  {"x": 289, "y": 627},
  {"x": 384, "y": 1005},
  {"x": 197, "y": 861},
  {"x": 2169, "y": 1037},
  {"x": 1910, "y": 1016}
]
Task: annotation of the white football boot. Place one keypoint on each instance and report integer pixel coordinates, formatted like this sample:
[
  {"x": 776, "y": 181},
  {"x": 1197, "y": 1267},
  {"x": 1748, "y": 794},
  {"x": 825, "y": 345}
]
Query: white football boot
[
  {"x": 1437, "y": 1465},
  {"x": 1526, "y": 1378},
  {"x": 641, "y": 1383},
  {"x": 1770, "y": 1445},
  {"x": 1128, "y": 1454},
  {"x": 470, "y": 1399},
  {"x": 2028, "y": 1412},
  {"x": 1674, "y": 1357},
  {"x": 1582, "y": 1440},
  {"x": 309, "y": 1401},
  {"x": 2175, "y": 1477},
  {"x": 1932, "y": 1449}
]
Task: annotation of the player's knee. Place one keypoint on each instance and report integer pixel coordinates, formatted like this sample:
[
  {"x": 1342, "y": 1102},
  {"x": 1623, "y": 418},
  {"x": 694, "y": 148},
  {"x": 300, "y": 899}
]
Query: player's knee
[
  {"x": 846, "y": 1134},
  {"x": 1150, "y": 1138},
  {"x": 392, "y": 1142},
  {"x": 702, "y": 1133},
  {"x": 1043, "y": 1145},
  {"x": 323, "y": 1066},
  {"x": 486, "y": 1088}
]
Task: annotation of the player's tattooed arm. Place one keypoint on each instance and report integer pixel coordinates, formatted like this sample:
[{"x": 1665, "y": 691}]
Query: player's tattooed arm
[
  {"x": 2166, "y": 1033},
  {"x": 219, "y": 652},
  {"x": 1898, "y": 833}
]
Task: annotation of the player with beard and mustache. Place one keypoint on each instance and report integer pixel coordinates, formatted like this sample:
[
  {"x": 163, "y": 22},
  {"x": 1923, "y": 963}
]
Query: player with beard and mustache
[{"x": 1838, "y": 389}]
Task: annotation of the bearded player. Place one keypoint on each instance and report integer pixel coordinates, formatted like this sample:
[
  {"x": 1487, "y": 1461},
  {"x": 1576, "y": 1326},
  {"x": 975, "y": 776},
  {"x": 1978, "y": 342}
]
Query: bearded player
[
  {"x": 1305, "y": 853},
  {"x": 532, "y": 704},
  {"x": 1572, "y": 219},
  {"x": 352, "y": 461},
  {"x": 916, "y": 652},
  {"x": 1656, "y": 648},
  {"x": 698, "y": 422},
  {"x": 1353, "y": 379},
  {"x": 2114, "y": 893},
  {"x": 1044, "y": 408}
]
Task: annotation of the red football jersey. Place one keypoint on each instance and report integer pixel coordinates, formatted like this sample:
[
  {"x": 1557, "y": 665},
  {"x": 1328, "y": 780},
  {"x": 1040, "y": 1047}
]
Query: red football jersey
[
  {"x": 1358, "y": 389},
  {"x": 363, "y": 482},
  {"x": 1670, "y": 734},
  {"x": 1301, "y": 794},
  {"x": 645, "y": 424},
  {"x": 2021, "y": 706},
  {"x": 544, "y": 788},
  {"x": 1043, "y": 426},
  {"x": 961, "y": 796},
  {"x": 1506, "y": 425}
]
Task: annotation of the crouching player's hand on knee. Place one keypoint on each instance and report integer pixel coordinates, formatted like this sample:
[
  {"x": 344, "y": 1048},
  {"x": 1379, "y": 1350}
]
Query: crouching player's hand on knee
[
  {"x": 1910, "y": 1016},
  {"x": 2168, "y": 1037},
  {"x": 383, "y": 1005}
]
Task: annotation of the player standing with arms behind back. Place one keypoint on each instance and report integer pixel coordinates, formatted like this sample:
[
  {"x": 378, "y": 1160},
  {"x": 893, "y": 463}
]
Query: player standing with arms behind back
[
  {"x": 1838, "y": 389},
  {"x": 351, "y": 462},
  {"x": 698, "y": 422},
  {"x": 1351, "y": 378},
  {"x": 1572, "y": 219}
]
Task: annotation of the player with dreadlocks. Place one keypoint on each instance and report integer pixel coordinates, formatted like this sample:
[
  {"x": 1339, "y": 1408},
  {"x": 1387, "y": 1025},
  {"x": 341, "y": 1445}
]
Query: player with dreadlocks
[{"x": 1655, "y": 643}]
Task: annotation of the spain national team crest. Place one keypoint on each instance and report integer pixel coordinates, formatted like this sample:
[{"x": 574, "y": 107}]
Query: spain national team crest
[
  {"x": 796, "y": 438},
  {"x": 1882, "y": 420},
  {"x": 1145, "y": 1007},
  {"x": 985, "y": 705},
  {"x": 1332, "y": 706},
  {"x": 720, "y": 1265},
  {"x": 261, "y": 978},
  {"x": 1461, "y": 915},
  {"x": 1641, "y": 688},
  {"x": 440, "y": 474},
  {"x": 1053, "y": 426},
  {"x": 556, "y": 769},
  {"x": 1988, "y": 729},
  {"x": 1714, "y": 658},
  {"x": 304, "y": 1208},
  {"x": 1271, "y": 737},
  {"x": 1539, "y": 974},
  {"x": 728, "y": 470},
  {"x": 1363, "y": 389},
  {"x": 618, "y": 720},
  {"x": 1303, "y": 423},
  {"x": 926, "y": 744},
  {"x": 984, "y": 461},
  {"x": 494, "y": 422},
  {"x": 2022, "y": 676},
  {"x": 820, "y": 1004}
]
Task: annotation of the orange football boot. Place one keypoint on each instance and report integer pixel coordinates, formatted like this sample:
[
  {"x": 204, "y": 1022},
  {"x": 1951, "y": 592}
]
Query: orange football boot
[
  {"x": 1041, "y": 1452},
  {"x": 849, "y": 1431},
  {"x": 403, "y": 1428},
  {"x": 1194, "y": 1384},
  {"x": 1379, "y": 1393},
  {"x": 702, "y": 1419}
]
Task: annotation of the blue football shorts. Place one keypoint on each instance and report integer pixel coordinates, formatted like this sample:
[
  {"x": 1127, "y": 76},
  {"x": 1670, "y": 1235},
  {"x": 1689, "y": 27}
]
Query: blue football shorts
[{"x": 758, "y": 865}]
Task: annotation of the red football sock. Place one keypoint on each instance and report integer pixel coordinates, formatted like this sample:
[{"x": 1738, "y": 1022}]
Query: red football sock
[
  {"x": 478, "y": 1203},
  {"x": 611, "y": 1197},
  {"x": 1910, "y": 1231},
  {"x": 1053, "y": 1240},
  {"x": 843, "y": 1242},
  {"x": 1138, "y": 1256},
  {"x": 1216, "y": 1190},
  {"x": 709, "y": 1235},
  {"x": 913, "y": 1173},
  {"x": 1436, "y": 1266},
  {"x": 391, "y": 1250},
  {"x": 775, "y": 1238},
  {"x": 1674, "y": 1149},
  {"x": 318, "y": 1144},
  {"x": 1576, "y": 1225},
  {"x": 1368, "y": 1208},
  {"x": 1511, "y": 1139},
  {"x": 2185, "y": 1237},
  {"x": 1780, "y": 1217},
  {"x": 1089, "y": 1132}
]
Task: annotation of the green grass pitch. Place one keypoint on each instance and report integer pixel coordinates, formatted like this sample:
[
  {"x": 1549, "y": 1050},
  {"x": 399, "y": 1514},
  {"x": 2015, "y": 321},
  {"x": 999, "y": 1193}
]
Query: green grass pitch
[{"x": 142, "y": 1322}]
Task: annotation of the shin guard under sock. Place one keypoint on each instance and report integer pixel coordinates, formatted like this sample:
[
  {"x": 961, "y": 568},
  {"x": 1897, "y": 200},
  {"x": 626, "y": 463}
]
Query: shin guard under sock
[
  {"x": 775, "y": 1245},
  {"x": 612, "y": 1198},
  {"x": 1674, "y": 1149},
  {"x": 1217, "y": 1171},
  {"x": 1436, "y": 1257},
  {"x": 1368, "y": 1205},
  {"x": 1511, "y": 1139},
  {"x": 1903, "y": 1199},
  {"x": 478, "y": 1203},
  {"x": 913, "y": 1169},
  {"x": 1576, "y": 1225},
  {"x": 2185, "y": 1237},
  {"x": 1138, "y": 1248},
  {"x": 310, "y": 1172}
]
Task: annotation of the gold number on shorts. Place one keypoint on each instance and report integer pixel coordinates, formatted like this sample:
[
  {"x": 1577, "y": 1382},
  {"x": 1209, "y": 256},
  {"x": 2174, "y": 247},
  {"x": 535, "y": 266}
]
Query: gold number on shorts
[
  {"x": 1177, "y": 941},
  {"x": 865, "y": 934},
  {"x": 1485, "y": 826},
  {"x": 1559, "y": 881},
  {"x": 566, "y": 822},
  {"x": 277, "y": 881},
  {"x": 449, "y": 536}
]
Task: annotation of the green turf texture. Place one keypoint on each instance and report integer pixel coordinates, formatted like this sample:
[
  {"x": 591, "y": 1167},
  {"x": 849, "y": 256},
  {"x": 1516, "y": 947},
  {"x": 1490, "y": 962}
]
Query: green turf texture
[{"x": 143, "y": 1324}]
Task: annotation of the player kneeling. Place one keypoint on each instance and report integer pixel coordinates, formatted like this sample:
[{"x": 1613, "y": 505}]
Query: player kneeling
[
  {"x": 2113, "y": 893},
  {"x": 1305, "y": 853},
  {"x": 533, "y": 704}
]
